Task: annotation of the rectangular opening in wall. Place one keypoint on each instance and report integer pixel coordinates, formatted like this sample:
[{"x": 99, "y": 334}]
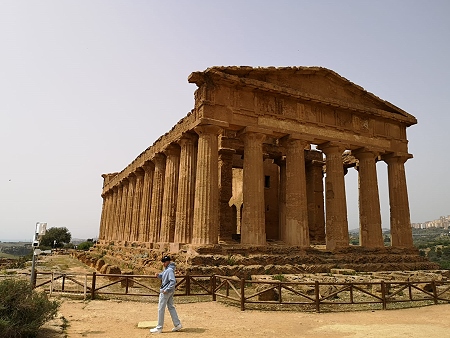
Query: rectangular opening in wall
[{"x": 266, "y": 181}]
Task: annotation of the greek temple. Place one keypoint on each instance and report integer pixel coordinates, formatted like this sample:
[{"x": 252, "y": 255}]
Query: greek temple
[{"x": 261, "y": 158}]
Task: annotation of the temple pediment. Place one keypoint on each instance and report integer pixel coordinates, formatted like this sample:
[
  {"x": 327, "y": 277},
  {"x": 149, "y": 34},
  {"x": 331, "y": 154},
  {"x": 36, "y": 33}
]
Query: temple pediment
[{"x": 316, "y": 85}]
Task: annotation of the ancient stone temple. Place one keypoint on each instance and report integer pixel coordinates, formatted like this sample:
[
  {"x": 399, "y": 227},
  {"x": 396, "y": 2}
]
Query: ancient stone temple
[{"x": 260, "y": 159}]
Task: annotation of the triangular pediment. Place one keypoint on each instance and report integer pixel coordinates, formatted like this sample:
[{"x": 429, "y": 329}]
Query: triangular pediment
[{"x": 318, "y": 83}]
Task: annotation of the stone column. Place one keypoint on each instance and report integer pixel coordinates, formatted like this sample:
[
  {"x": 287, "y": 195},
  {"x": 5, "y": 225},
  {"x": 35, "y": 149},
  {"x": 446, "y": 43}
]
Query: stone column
[
  {"x": 118, "y": 212},
  {"x": 370, "y": 233},
  {"x": 137, "y": 205},
  {"x": 401, "y": 233},
  {"x": 123, "y": 210},
  {"x": 336, "y": 204},
  {"x": 101, "y": 235},
  {"x": 114, "y": 206},
  {"x": 297, "y": 231},
  {"x": 129, "y": 211},
  {"x": 157, "y": 197},
  {"x": 225, "y": 193},
  {"x": 253, "y": 228},
  {"x": 206, "y": 203},
  {"x": 316, "y": 210},
  {"x": 109, "y": 216},
  {"x": 186, "y": 189},
  {"x": 169, "y": 206},
  {"x": 144, "y": 217},
  {"x": 281, "y": 162}
]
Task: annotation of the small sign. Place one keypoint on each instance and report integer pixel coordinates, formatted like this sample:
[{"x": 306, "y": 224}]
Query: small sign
[{"x": 42, "y": 229}]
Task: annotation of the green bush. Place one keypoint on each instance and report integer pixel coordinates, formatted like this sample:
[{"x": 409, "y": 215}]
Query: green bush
[
  {"x": 85, "y": 246},
  {"x": 23, "y": 310}
]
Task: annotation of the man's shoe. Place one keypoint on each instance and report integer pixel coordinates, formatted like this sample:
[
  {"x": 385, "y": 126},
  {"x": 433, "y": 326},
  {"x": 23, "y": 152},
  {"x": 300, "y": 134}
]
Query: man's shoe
[
  {"x": 155, "y": 330},
  {"x": 177, "y": 328}
]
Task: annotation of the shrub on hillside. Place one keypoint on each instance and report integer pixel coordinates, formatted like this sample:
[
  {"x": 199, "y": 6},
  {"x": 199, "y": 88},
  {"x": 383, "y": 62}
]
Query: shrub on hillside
[
  {"x": 85, "y": 246},
  {"x": 23, "y": 310}
]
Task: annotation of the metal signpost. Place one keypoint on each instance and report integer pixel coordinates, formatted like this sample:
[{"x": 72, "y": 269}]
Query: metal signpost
[{"x": 39, "y": 231}]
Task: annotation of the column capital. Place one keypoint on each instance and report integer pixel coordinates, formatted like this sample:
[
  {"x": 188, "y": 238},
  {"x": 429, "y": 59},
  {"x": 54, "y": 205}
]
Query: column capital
[
  {"x": 159, "y": 159},
  {"x": 139, "y": 172},
  {"x": 362, "y": 153},
  {"x": 132, "y": 177},
  {"x": 208, "y": 129},
  {"x": 366, "y": 152},
  {"x": 188, "y": 137},
  {"x": 331, "y": 147},
  {"x": 148, "y": 166},
  {"x": 397, "y": 156},
  {"x": 172, "y": 150},
  {"x": 227, "y": 151},
  {"x": 124, "y": 181},
  {"x": 294, "y": 139},
  {"x": 251, "y": 130}
]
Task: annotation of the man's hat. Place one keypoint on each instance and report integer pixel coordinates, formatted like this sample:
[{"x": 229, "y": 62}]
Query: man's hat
[{"x": 165, "y": 259}]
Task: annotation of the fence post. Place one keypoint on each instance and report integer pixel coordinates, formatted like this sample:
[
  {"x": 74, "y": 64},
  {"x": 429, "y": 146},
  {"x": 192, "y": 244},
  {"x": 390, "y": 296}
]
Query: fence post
[
  {"x": 242, "y": 294},
  {"x": 63, "y": 282},
  {"x": 433, "y": 285},
  {"x": 213, "y": 287},
  {"x": 188, "y": 284},
  {"x": 51, "y": 284},
  {"x": 351, "y": 293},
  {"x": 94, "y": 275},
  {"x": 317, "y": 293},
  {"x": 383, "y": 294},
  {"x": 85, "y": 286},
  {"x": 279, "y": 292}
]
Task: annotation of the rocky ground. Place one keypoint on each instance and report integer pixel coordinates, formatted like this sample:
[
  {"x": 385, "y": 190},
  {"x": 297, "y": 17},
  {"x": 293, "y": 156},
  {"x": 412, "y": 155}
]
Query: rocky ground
[{"x": 118, "y": 319}]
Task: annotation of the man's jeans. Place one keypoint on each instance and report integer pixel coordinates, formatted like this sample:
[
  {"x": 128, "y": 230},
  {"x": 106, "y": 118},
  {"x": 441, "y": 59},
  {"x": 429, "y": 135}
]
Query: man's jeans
[{"x": 167, "y": 299}]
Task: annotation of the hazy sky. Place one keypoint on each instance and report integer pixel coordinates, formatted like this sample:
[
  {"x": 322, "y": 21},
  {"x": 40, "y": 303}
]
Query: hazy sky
[{"x": 86, "y": 86}]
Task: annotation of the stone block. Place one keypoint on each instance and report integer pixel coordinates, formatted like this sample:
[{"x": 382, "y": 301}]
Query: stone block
[{"x": 269, "y": 294}]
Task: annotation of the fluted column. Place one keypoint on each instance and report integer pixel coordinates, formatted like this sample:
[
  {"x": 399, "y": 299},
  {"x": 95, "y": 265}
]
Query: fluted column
[
  {"x": 123, "y": 210},
  {"x": 297, "y": 231},
  {"x": 109, "y": 213},
  {"x": 281, "y": 162},
  {"x": 370, "y": 233},
  {"x": 186, "y": 190},
  {"x": 118, "y": 212},
  {"x": 336, "y": 204},
  {"x": 129, "y": 211},
  {"x": 225, "y": 193},
  {"x": 157, "y": 197},
  {"x": 137, "y": 205},
  {"x": 253, "y": 228},
  {"x": 316, "y": 211},
  {"x": 401, "y": 233},
  {"x": 103, "y": 217},
  {"x": 144, "y": 217},
  {"x": 169, "y": 206},
  {"x": 113, "y": 215},
  {"x": 206, "y": 203}
]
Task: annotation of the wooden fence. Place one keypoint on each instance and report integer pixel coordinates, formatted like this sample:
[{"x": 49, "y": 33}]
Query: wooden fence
[{"x": 306, "y": 296}]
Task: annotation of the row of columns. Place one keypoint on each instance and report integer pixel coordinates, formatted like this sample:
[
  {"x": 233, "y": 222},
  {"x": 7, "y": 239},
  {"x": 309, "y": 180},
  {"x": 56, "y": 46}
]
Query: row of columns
[{"x": 176, "y": 197}]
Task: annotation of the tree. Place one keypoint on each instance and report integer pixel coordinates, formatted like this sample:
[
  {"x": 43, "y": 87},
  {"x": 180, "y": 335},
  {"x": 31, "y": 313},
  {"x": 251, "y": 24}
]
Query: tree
[
  {"x": 56, "y": 237},
  {"x": 85, "y": 245}
]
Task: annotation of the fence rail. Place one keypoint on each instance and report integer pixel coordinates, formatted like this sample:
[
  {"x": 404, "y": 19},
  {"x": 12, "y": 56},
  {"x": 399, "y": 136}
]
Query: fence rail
[{"x": 313, "y": 296}]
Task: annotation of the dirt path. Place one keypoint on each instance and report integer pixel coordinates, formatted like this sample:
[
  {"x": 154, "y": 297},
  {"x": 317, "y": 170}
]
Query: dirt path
[{"x": 119, "y": 319}]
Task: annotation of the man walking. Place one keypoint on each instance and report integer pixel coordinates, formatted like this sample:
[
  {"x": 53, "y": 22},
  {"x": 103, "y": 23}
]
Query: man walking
[{"x": 166, "y": 292}]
